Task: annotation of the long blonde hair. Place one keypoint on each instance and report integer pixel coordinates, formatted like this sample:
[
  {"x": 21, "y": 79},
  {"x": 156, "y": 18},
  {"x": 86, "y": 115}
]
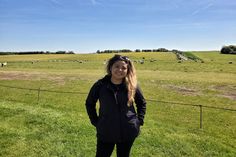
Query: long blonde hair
[{"x": 130, "y": 79}]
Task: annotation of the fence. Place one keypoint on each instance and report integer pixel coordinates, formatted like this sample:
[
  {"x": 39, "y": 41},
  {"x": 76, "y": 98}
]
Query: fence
[{"x": 151, "y": 100}]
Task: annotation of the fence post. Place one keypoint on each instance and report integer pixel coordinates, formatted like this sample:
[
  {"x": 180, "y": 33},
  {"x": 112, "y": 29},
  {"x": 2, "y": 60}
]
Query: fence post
[
  {"x": 200, "y": 116},
  {"x": 38, "y": 93}
]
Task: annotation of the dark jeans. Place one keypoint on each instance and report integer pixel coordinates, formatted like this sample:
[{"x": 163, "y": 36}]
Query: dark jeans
[{"x": 106, "y": 149}]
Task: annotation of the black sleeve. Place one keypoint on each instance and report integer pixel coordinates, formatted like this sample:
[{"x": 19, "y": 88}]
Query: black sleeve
[
  {"x": 141, "y": 104},
  {"x": 91, "y": 103}
]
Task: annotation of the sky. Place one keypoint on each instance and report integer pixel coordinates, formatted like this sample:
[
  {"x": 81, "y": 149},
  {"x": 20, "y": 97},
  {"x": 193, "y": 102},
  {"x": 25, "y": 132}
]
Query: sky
[{"x": 85, "y": 26}]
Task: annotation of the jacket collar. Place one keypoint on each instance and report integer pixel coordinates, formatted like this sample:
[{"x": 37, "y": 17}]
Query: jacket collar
[{"x": 110, "y": 85}]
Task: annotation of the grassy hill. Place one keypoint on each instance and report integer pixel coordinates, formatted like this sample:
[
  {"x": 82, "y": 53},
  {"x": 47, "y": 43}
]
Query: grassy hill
[{"x": 53, "y": 122}]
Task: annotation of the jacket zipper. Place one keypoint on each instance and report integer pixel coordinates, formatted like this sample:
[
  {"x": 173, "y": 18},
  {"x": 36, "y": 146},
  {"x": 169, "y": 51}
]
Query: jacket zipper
[
  {"x": 121, "y": 134},
  {"x": 115, "y": 94}
]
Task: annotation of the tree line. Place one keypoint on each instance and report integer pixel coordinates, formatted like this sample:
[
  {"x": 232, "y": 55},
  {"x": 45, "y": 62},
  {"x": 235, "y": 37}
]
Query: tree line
[
  {"x": 231, "y": 49},
  {"x": 137, "y": 50},
  {"x": 36, "y": 52}
]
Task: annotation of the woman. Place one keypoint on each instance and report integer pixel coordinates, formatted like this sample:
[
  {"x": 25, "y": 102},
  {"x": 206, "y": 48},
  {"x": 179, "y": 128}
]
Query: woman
[{"x": 117, "y": 123}]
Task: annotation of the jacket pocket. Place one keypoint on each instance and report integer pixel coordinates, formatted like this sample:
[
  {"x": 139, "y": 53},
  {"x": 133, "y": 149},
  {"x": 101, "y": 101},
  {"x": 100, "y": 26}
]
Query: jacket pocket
[
  {"x": 132, "y": 125},
  {"x": 108, "y": 130}
]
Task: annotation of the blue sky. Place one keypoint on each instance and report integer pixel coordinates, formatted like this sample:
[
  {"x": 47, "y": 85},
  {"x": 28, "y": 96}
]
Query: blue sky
[{"x": 88, "y": 25}]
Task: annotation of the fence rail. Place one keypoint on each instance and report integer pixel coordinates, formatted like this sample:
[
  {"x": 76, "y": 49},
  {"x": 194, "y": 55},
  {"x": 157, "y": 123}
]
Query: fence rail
[
  {"x": 195, "y": 105},
  {"x": 39, "y": 90},
  {"x": 43, "y": 90}
]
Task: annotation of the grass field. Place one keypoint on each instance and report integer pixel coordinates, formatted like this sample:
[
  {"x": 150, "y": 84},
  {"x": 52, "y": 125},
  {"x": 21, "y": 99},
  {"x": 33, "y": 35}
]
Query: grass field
[{"x": 56, "y": 124}]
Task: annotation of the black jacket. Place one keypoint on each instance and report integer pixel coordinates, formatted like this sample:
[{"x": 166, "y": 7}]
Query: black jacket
[{"x": 116, "y": 121}]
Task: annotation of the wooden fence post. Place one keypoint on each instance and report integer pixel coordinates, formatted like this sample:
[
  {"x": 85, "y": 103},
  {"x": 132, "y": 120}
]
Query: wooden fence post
[
  {"x": 38, "y": 93},
  {"x": 200, "y": 116}
]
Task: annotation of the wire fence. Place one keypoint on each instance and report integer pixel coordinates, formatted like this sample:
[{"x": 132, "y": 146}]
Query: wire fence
[{"x": 39, "y": 90}]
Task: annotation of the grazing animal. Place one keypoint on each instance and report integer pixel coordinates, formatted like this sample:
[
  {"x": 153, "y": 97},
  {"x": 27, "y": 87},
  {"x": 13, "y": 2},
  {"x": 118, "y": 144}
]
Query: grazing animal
[
  {"x": 141, "y": 61},
  {"x": 4, "y": 64},
  {"x": 153, "y": 60}
]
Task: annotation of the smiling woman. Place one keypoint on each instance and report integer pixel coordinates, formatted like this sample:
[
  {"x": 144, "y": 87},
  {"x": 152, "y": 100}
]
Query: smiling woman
[
  {"x": 119, "y": 71},
  {"x": 118, "y": 122}
]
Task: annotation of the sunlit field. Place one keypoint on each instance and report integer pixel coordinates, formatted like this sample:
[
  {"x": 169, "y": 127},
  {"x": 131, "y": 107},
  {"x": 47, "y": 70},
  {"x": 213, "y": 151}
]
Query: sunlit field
[{"x": 42, "y": 111}]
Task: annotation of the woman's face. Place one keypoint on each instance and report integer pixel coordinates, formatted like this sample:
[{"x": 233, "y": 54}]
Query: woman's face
[{"x": 119, "y": 70}]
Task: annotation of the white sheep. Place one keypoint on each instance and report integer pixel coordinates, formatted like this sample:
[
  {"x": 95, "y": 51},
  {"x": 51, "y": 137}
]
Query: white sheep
[
  {"x": 141, "y": 61},
  {"x": 4, "y": 64}
]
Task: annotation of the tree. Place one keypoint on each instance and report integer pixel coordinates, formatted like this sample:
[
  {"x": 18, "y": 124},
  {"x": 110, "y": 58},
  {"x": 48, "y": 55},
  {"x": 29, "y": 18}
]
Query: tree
[
  {"x": 70, "y": 52},
  {"x": 60, "y": 52},
  {"x": 231, "y": 49},
  {"x": 225, "y": 50}
]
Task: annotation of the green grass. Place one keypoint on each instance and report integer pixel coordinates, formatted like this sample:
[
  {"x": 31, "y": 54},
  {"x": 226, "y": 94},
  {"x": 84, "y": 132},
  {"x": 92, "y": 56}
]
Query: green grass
[
  {"x": 191, "y": 56},
  {"x": 57, "y": 123}
]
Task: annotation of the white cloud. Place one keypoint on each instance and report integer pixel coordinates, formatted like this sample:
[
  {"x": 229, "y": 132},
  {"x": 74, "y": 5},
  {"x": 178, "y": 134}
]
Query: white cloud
[
  {"x": 205, "y": 7},
  {"x": 55, "y": 2},
  {"x": 95, "y": 2}
]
